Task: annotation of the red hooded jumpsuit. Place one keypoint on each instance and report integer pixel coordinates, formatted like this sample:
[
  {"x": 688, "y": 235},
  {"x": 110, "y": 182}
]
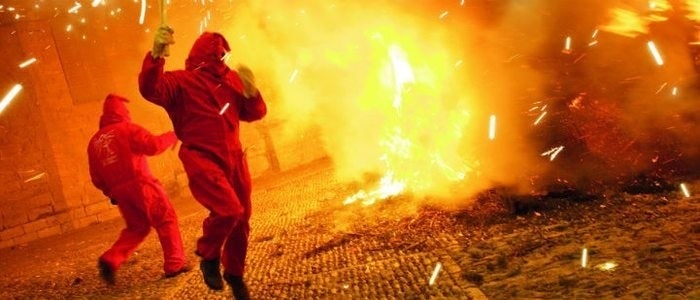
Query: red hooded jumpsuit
[
  {"x": 118, "y": 167},
  {"x": 205, "y": 103}
]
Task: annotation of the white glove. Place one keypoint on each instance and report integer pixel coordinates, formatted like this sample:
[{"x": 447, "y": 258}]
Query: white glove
[
  {"x": 246, "y": 75},
  {"x": 163, "y": 38}
]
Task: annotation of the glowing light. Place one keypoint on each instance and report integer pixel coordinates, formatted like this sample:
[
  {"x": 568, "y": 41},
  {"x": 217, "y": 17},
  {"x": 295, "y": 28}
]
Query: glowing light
[
  {"x": 674, "y": 91},
  {"x": 607, "y": 266},
  {"x": 387, "y": 187},
  {"x": 626, "y": 23},
  {"x": 9, "y": 96},
  {"x": 443, "y": 15},
  {"x": 142, "y": 16},
  {"x": 593, "y": 43},
  {"x": 540, "y": 117},
  {"x": 95, "y": 3},
  {"x": 685, "y": 190},
  {"x": 403, "y": 73},
  {"x": 224, "y": 109},
  {"x": 75, "y": 8},
  {"x": 595, "y": 34},
  {"x": 553, "y": 152},
  {"x": 27, "y": 63},
  {"x": 461, "y": 3},
  {"x": 458, "y": 63},
  {"x": 438, "y": 266},
  {"x": 567, "y": 45},
  {"x": 661, "y": 87},
  {"x": 293, "y": 76},
  {"x": 492, "y": 127},
  {"x": 35, "y": 177},
  {"x": 584, "y": 258},
  {"x": 69, "y": 27},
  {"x": 655, "y": 53}
]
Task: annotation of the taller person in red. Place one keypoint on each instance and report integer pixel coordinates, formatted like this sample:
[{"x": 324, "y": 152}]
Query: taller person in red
[
  {"x": 205, "y": 102},
  {"x": 118, "y": 167}
]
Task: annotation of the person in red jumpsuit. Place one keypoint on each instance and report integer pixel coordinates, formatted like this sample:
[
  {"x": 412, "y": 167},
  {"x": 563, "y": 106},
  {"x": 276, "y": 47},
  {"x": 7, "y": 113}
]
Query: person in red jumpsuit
[
  {"x": 118, "y": 167},
  {"x": 205, "y": 102}
]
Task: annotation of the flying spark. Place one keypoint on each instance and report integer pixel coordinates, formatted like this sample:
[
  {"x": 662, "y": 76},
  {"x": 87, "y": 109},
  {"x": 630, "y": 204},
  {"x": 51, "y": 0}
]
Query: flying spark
[
  {"x": 27, "y": 63},
  {"x": 567, "y": 45},
  {"x": 492, "y": 127},
  {"x": 607, "y": 266},
  {"x": 35, "y": 177},
  {"x": 142, "y": 16},
  {"x": 655, "y": 53},
  {"x": 584, "y": 258},
  {"x": 553, "y": 152},
  {"x": 9, "y": 96},
  {"x": 75, "y": 8},
  {"x": 438, "y": 266},
  {"x": 223, "y": 110},
  {"x": 95, "y": 3},
  {"x": 540, "y": 117},
  {"x": 443, "y": 15},
  {"x": 685, "y": 190},
  {"x": 294, "y": 75},
  {"x": 662, "y": 87},
  {"x": 674, "y": 91}
]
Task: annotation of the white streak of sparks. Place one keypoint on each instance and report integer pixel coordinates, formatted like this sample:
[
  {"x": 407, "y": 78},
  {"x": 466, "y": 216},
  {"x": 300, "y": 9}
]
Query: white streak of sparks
[
  {"x": 674, "y": 91},
  {"x": 142, "y": 16},
  {"x": 492, "y": 127},
  {"x": 438, "y": 266},
  {"x": 27, "y": 63},
  {"x": 540, "y": 117},
  {"x": 584, "y": 258},
  {"x": 9, "y": 96},
  {"x": 567, "y": 44},
  {"x": 223, "y": 110},
  {"x": 461, "y": 3},
  {"x": 35, "y": 177},
  {"x": 655, "y": 53},
  {"x": 75, "y": 8},
  {"x": 607, "y": 266},
  {"x": 95, "y": 3},
  {"x": 293, "y": 76},
  {"x": 593, "y": 43},
  {"x": 685, "y": 190},
  {"x": 661, "y": 87},
  {"x": 595, "y": 33},
  {"x": 553, "y": 152},
  {"x": 443, "y": 15}
]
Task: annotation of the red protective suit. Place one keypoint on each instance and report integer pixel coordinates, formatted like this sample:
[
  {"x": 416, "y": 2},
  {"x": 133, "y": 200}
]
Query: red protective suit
[
  {"x": 205, "y": 103},
  {"x": 118, "y": 167}
]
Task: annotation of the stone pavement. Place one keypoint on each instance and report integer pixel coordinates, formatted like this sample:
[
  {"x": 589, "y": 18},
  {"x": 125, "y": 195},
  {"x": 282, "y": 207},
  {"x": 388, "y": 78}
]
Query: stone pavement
[{"x": 306, "y": 245}]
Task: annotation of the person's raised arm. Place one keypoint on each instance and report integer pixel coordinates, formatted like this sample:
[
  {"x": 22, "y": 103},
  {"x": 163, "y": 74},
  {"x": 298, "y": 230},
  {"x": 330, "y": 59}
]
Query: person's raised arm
[
  {"x": 144, "y": 142},
  {"x": 154, "y": 84},
  {"x": 253, "y": 107}
]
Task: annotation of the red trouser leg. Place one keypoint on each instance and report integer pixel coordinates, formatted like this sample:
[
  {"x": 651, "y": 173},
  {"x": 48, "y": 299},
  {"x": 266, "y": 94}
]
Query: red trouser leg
[
  {"x": 163, "y": 218},
  {"x": 137, "y": 228},
  {"x": 236, "y": 246}
]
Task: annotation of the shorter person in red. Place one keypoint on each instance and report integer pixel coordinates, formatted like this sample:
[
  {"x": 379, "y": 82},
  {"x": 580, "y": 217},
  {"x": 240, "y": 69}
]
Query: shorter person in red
[
  {"x": 205, "y": 102},
  {"x": 118, "y": 167}
]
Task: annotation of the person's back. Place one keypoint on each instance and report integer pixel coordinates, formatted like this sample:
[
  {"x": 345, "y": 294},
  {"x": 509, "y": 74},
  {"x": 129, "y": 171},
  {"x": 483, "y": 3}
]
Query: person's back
[{"x": 118, "y": 167}]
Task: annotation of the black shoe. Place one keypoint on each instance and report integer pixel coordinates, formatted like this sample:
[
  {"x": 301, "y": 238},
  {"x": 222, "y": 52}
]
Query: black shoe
[
  {"x": 212, "y": 274},
  {"x": 186, "y": 268},
  {"x": 238, "y": 286},
  {"x": 106, "y": 272}
]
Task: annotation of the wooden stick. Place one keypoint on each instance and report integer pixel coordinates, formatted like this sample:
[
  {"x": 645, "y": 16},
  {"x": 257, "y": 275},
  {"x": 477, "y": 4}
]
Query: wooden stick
[{"x": 164, "y": 22}]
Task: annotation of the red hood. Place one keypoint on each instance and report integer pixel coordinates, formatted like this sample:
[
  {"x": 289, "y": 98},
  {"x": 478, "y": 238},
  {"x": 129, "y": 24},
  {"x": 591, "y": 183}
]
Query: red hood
[
  {"x": 114, "y": 111},
  {"x": 207, "y": 53}
]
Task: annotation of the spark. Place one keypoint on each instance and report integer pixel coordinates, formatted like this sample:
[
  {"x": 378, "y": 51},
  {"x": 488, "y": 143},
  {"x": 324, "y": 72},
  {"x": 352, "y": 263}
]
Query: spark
[
  {"x": 293, "y": 76},
  {"x": 35, "y": 177},
  {"x": 553, "y": 152},
  {"x": 655, "y": 53},
  {"x": 75, "y": 8},
  {"x": 595, "y": 34},
  {"x": 567, "y": 45},
  {"x": 69, "y": 27},
  {"x": 492, "y": 127},
  {"x": 223, "y": 109},
  {"x": 461, "y": 3},
  {"x": 662, "y": 87},
  {"x": 9, "y": 96},
  {"x": 27, "y": 63},
  {"x": 593, "y": 43},
  {"x": 607, "y": 266},
  {"x": 142, "y": 16},
  {"x": 685, "y": 190},
  {"x": 95, "y": 3},
  {"x": 584, "y": 258},
  {"x": 458, "y": 63},
  {"x": 540, "y": 117},
  {"x": 674, "y": 91},
  {"x": 438, "y": 266},
  {"x": 443, "y": 15}
]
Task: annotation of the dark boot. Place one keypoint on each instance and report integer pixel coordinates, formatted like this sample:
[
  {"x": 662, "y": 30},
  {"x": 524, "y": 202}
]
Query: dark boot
[
  {"x": 212, "y": 274},
  {"x": 106, "y": 272},
  {"x": 238, "y": 286}
]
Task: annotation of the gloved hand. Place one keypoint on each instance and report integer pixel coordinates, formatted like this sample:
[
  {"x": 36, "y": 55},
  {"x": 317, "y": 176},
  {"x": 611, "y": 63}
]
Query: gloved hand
[
  {"x": 163, "y": 38},
  {"x": 246, "y": 75}
]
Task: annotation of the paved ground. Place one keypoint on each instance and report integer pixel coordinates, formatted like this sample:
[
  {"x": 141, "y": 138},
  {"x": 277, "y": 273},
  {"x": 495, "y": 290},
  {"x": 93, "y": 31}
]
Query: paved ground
[{"x": 306, "y": 245}]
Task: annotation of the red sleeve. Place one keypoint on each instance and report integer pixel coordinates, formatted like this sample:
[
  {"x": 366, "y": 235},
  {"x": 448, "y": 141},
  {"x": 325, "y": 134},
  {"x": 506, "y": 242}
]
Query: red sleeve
[
  {"x": 253, "y": 109},
  {"x": 154, "y": 85},
  {"x": 143, "y": 142}
]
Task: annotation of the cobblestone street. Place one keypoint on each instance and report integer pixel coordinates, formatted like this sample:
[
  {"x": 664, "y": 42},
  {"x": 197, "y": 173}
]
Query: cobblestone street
[{"x": 306, "y": 245}]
